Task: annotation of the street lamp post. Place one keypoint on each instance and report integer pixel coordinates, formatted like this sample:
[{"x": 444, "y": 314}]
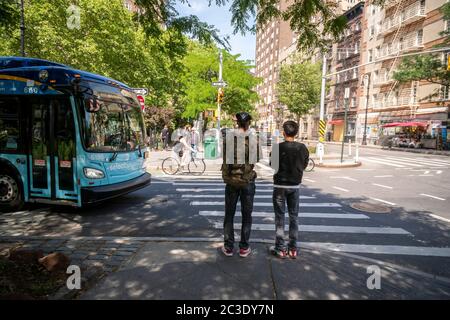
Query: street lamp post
[
  {"x": 364, "y": 140},
  {"x": 346, "y": 96},
  {"x": 22, "y": 29}
]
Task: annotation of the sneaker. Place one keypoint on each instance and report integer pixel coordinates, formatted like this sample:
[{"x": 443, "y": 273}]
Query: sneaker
[
  {"x": 245, "y": 252},
  {"x": 227, "y": 251},
  {"x": 282, "y": 254},
  {"x": 292, "y": 252}
]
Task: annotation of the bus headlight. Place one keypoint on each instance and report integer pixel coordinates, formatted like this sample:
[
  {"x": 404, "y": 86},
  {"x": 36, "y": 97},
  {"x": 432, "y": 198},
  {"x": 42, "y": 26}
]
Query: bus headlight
[{"x": 92, "y": 173}]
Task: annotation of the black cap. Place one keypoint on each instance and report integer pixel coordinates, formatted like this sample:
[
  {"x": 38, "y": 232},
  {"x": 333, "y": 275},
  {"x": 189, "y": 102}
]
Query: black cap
[{"x": 243, "y": 117}]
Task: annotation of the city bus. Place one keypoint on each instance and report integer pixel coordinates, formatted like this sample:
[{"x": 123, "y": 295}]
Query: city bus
[{"x": 67, "y": 136}]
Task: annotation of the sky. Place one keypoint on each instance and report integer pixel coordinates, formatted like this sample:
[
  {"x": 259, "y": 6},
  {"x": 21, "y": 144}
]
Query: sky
[{"x": 220, "y": 17}]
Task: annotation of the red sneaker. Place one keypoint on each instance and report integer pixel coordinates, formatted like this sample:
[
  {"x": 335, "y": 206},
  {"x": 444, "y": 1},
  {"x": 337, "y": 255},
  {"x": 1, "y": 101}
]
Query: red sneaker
[
  {"x": 227, "y": 251},
  {"x": 292, "y": 252},
  {"x": 282, "y": 254},
  {"x": 245, "y": 252}
]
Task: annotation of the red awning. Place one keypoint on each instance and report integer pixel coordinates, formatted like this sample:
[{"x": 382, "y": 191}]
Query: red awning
[
  {"x": 405, "y": 124},
  {"x": 336, "y": 122}
]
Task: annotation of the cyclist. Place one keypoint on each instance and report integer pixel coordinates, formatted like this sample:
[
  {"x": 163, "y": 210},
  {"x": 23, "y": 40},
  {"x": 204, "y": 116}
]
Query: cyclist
[{"x": 182, "y": 151}]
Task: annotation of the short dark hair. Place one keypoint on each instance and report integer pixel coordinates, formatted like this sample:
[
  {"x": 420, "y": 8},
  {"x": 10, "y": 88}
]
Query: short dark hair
[{"x": 290, "y": 128}]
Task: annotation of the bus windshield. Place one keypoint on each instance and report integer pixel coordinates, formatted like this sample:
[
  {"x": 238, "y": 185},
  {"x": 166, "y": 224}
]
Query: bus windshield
[{"x": 111, "y": 118}]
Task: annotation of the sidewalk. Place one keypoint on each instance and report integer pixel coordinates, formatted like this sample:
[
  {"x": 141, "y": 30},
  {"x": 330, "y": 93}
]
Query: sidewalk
[{"x": 197, "y": 270}]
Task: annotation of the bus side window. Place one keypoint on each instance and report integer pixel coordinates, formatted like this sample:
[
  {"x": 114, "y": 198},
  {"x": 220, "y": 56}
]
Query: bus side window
[{"x": 9, "y": 125}]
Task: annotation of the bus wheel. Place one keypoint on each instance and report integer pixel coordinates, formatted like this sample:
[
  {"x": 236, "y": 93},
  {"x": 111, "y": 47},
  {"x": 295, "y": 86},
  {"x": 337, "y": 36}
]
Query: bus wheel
[{"x": 11, "y": 196}]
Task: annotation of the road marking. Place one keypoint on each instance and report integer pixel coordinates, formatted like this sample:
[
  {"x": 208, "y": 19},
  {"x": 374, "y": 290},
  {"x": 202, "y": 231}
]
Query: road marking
[
  {"x": 309, "y": 180},
  {"x": 160, "y": 182},
  {"x": 342, "y": 189},
  {"x": 385, "y": 176},
  {"x": 215, "y": 184},
  {"x": 425, "y": 175},
  {"x": 264, "y": 196},
  {"x": 413, "y": 162},
  {"x": 365, "y": 169},
  {"x": 382, "y": 186},
  {"x": 346, "y": 178},
  {"x": 384, "y": 201},
  {"x": 301, "y": 215},
  {"x": 320, "y": 228},
  {"x": 403, "y": 161},
  {"x": 439, "y": 217},
  {"x": 216, "y": 189},
  {"x": 439, "y": 161},
  {"x": 430, "y": 196},
  {"x": 383, "y": 162},
  {"x": 438, "y": 171},
  {"x": 382, "y": 249},
  {"x": 265, "y": 204}
]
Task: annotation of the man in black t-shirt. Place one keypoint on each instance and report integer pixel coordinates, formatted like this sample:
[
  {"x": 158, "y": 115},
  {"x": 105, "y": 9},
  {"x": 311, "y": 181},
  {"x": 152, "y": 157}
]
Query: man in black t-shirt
[{"x": 292, "y": 159}]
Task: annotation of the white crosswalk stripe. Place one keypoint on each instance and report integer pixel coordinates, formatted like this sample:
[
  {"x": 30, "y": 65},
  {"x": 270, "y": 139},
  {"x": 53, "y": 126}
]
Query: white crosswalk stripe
[
  {"x": 265, "y": 204},
  {"x": 407, "y": 162},
  {"x": 322, "y": 228},
  {"x": 301, "y": 215},
  {"x": 257, "y": 196},
  {"x": 329, "y": 219}
]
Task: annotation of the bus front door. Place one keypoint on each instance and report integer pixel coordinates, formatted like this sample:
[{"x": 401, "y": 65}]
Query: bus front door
[{"x": 52, "y": 154}]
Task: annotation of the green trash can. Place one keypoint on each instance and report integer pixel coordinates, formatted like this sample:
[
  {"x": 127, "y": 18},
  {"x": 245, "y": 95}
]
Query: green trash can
[{"x": 210, "y": 145}]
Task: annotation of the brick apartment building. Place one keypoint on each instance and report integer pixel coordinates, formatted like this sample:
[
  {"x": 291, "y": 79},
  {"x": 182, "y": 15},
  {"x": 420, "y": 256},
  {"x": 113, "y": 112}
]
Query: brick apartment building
[{"x": 382, "y": 34}]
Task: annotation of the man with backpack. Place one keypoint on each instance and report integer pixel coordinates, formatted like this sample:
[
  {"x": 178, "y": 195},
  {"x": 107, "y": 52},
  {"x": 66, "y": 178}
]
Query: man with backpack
[{"x": 239, "y": 175}]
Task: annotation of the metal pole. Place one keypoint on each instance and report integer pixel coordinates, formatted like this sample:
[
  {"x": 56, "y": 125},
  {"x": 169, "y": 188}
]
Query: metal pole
[
  {"x": 22, "y": 29},
  {"x": 323, "y": 87},
  {"x": 345, "y": 130},
  {"x": 364, "y": 140},
  {"x": 220, "y": 80}
]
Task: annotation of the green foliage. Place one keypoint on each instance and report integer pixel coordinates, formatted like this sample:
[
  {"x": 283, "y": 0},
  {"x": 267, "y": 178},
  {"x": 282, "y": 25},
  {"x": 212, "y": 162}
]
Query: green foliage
[
  {"x": 202, "y": 64},
  {"x": 299, "y": 87}
]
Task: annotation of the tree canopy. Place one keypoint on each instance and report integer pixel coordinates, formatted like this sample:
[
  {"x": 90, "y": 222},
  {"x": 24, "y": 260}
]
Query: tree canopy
[
  {"x": 202, "y": 68},
  {"x": 299, "y": 87}
]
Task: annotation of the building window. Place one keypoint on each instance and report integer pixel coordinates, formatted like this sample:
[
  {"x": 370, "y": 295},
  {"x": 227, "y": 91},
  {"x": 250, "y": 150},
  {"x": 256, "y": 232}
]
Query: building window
[
  {"x": 370, "y": 56},
  {"x": 372, "y": 31},
  {"x": 353, "y": 102}
]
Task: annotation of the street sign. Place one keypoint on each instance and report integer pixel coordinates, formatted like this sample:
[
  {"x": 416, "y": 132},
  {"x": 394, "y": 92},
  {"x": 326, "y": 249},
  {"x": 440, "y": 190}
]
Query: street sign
[
  {"x": 141, "y": 101},
  {"x": 219, "y": 84},
  {"x": 140, "y": 91}
]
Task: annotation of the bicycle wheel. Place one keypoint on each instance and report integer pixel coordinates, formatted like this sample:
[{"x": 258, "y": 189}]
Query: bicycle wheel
[
  {"x": 170, "y": 166},
  {"x": 311, "y": 165},
  {"x": 197, "y": 166}
]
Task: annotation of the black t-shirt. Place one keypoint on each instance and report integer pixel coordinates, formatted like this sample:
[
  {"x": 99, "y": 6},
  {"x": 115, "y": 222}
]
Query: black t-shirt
[{"x": 293, "y": 159}]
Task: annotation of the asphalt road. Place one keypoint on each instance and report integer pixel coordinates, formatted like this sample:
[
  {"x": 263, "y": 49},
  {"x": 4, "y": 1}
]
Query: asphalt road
[{"x": 414, "y": 187}]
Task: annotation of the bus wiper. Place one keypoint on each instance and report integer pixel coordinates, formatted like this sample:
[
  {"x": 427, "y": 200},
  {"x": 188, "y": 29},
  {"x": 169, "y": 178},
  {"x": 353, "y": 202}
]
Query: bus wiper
[{"x": 114, "y": 156}]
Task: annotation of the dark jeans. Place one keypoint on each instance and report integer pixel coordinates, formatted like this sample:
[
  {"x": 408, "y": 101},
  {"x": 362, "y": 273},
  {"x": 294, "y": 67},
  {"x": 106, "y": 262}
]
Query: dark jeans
[
  {"x": 281, "y": 196},
  {"x": 232, "y": 195}
]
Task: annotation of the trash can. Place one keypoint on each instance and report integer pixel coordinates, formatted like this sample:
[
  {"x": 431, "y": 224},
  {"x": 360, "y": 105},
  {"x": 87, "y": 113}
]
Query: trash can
[{"x": 210, "y": 148}]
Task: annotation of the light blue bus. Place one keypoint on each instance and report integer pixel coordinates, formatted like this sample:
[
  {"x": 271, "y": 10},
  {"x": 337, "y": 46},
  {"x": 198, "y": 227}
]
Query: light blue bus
[{"x": 67, "y": 136}]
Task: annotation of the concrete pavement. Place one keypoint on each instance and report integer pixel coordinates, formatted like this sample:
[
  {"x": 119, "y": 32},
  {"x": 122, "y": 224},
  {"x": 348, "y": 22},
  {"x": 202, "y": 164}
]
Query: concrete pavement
[{"x": 197, "y": 271}]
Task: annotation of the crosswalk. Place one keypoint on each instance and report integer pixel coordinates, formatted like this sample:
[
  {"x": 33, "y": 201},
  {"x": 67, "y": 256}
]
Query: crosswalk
[
  {"x": 407, "y": 162},
  {"x": 324, "y": 221}
]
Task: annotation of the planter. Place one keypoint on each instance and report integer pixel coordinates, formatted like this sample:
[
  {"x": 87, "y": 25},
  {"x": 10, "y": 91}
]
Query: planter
[{"x": 428, "y": 143}]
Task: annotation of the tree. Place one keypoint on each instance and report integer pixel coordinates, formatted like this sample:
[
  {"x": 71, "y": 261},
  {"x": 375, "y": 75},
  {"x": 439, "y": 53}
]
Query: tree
[
  {"x": 429, "y": 67},
  {"x": 315, "y": 21},
  {"x": 108, "y": 42},
  {"x": 202, "y": 66},
  {"x": 299, "y": 87}
]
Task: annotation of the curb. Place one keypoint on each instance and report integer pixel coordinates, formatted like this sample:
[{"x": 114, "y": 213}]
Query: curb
[{"x": 339, "y": 165}]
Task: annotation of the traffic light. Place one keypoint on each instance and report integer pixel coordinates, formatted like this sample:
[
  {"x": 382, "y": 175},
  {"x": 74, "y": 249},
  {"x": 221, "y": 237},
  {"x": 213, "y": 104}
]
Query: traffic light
[{"x": 220, "y": 95}]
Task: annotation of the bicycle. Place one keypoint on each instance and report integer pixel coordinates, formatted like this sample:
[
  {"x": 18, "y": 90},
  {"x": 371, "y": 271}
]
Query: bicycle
[
  {"x": 311, "y": 165},
  {"x": 172, "y": 165}
]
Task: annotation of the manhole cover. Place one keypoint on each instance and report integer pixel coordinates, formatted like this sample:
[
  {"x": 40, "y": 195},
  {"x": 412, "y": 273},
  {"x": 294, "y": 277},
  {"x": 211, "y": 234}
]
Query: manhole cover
[{"x": 370, "y": 207}]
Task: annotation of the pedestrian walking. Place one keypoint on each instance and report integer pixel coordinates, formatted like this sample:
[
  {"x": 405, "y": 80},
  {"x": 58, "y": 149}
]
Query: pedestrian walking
[
  {"x": 165, "y": 137},
  {"x": 292, "y": 160},
  {"x": 240, "y": 185}
]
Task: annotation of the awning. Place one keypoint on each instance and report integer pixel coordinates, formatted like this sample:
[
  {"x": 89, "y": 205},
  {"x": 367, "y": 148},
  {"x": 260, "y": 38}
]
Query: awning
[
  {"x": 405, "y": 124},
  {"x": 336, "y": 122}
]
